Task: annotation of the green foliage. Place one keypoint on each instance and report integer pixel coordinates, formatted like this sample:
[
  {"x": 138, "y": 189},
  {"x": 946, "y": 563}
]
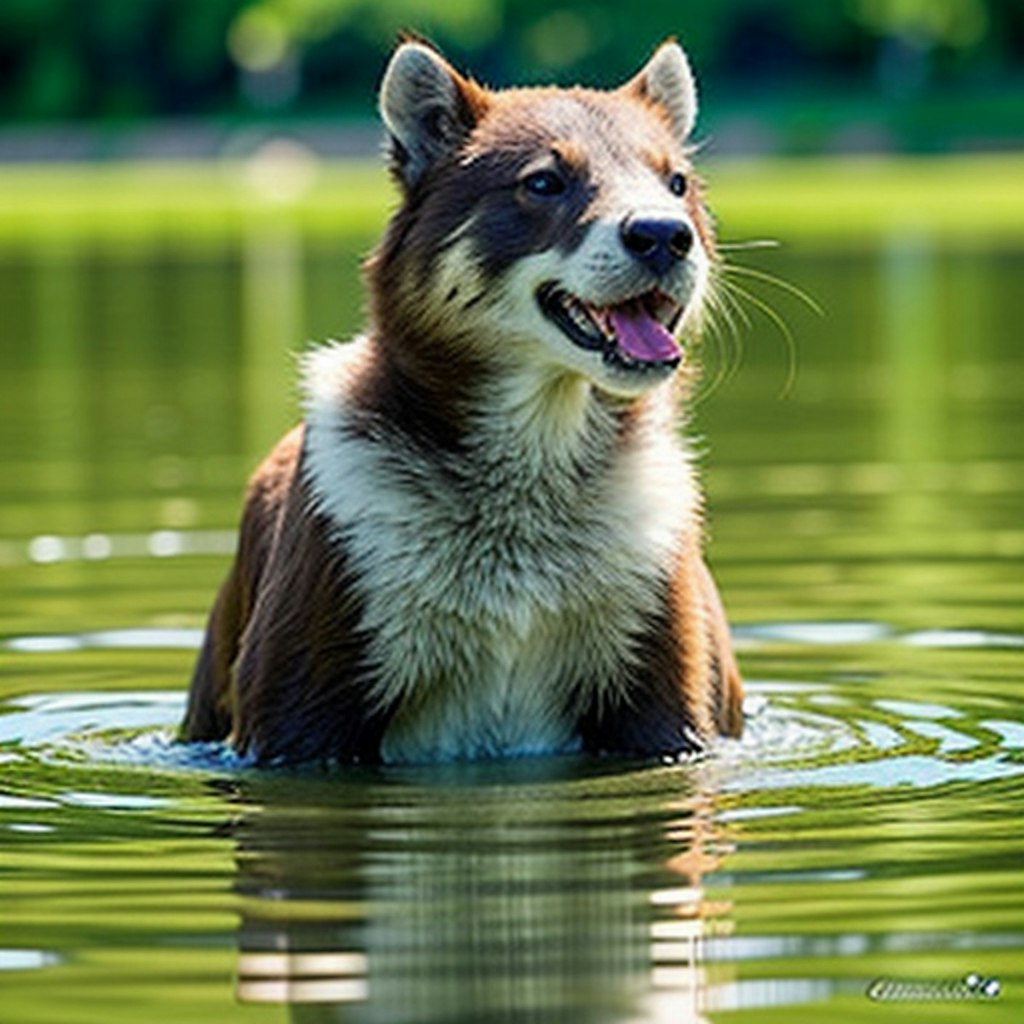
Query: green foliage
[
  {"x": 65, "y": 59},
  {"x": 959, "y": 24}
]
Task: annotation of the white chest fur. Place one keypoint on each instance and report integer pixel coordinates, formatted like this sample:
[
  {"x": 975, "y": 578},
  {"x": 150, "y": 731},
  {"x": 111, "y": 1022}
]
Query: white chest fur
[{"x": 503, "y": 590}]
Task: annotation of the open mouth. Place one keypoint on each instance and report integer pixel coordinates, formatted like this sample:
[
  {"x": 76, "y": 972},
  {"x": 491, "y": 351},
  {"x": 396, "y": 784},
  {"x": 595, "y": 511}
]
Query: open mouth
[{"x": 631, "y": 335}]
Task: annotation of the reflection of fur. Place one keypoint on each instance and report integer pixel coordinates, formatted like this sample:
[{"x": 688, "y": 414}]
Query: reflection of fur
[
  {"x": 485, "y": 539},
  {"x": 490, "y": 895}
]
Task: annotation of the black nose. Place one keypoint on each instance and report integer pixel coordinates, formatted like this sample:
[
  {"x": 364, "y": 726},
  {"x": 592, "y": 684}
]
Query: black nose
[{"x": 657, "y": 242}]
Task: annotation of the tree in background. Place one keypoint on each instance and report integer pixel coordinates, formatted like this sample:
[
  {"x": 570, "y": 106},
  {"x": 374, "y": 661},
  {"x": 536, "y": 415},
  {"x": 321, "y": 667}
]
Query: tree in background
[{"x": 88, "y": 59}]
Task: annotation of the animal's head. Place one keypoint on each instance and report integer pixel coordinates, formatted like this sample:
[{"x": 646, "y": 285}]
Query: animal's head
[{"x": 556, "y": 228}]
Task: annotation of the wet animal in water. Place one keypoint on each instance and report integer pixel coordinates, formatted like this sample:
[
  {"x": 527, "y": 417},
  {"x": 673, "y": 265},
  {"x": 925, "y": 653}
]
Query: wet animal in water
[{"x": 485, "y": 539}]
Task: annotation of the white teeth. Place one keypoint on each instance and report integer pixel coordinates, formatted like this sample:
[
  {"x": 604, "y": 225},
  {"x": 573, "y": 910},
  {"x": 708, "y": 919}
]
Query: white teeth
[
  {"x": 582, "y": 316},
  {"x": 591, "y": 328},
  {"x": 603, "y": 320}
]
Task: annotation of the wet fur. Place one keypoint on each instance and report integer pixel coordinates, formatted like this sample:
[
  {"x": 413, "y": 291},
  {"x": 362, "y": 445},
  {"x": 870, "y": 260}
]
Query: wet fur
[{"x": 478, "y": 544}]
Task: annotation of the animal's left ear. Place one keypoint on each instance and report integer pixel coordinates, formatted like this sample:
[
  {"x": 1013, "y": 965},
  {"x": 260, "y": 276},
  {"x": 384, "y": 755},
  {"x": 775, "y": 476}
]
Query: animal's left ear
[{"x": 666, "y": 79}]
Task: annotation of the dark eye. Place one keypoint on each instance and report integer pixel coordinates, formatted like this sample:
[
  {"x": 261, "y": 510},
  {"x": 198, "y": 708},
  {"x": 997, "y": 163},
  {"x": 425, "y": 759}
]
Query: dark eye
[
  {"x": 677, "y": 184},
  {"x": 544, "y": 184}
]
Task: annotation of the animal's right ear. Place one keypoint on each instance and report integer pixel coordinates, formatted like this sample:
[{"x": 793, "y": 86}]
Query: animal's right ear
[{"x": 428, "y": 109}]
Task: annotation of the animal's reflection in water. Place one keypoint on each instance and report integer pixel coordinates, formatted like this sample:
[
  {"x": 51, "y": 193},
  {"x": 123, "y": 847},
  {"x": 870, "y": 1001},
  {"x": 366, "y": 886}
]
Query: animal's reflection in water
[{"x": 537, "y": 891}]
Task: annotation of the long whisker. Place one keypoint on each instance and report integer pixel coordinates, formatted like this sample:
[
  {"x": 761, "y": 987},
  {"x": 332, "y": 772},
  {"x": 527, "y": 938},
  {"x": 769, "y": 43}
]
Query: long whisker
[
  {"x": 731, "y": 312},
  {"x": 791, "y": 289},
  {"x": 753, "y": 243},
  {"x": 730, "y": 300},
  {"x": 713, "y": 331},
  {"x": 733, "y": 303},
  {"x": 781, "y": 326},
  {"x": 722, "y": 310}
]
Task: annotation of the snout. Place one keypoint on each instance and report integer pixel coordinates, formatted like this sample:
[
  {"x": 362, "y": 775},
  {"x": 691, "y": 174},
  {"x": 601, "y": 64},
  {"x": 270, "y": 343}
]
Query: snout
[{"x": 658, "y": 243}]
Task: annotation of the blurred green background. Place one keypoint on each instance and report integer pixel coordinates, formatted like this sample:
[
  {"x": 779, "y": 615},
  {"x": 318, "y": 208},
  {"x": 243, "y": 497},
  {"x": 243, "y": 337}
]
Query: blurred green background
[
  {"x": 91, "y": 78},
  {"x": 187, "y": 189}
]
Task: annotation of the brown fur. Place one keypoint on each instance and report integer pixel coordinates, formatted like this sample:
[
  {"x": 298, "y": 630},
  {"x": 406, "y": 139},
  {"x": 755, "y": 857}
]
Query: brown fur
[
  {"x": 279, "y": 672},
  {"x": 285, "y": 672}
]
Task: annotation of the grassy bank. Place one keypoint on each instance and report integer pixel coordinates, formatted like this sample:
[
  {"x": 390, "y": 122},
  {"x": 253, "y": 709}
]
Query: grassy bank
[{"x": 961, "y": 199}]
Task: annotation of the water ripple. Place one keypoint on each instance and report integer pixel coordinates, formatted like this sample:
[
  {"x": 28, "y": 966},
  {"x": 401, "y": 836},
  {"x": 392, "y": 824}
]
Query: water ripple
[
  {"x": 844, "y": 732},
  {"x": 149, "y": 638},
  {"x": 48, "y": 549}
]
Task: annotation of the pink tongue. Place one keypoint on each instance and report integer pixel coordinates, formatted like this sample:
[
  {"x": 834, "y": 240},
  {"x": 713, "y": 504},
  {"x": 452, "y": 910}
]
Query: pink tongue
[{"x": 642, "y": 337}]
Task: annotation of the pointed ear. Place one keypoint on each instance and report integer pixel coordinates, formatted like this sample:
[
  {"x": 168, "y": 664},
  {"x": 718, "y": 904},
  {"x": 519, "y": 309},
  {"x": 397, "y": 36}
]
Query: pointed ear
[
  {"x": 666, "y": 79},
  {"x": 427, "y": 107}
]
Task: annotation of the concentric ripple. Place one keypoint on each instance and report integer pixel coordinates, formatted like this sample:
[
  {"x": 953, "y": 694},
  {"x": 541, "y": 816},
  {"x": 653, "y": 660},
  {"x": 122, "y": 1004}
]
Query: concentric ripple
[
  {"x": 858, "y": 831},
  {"x": 848, "y": 730}
]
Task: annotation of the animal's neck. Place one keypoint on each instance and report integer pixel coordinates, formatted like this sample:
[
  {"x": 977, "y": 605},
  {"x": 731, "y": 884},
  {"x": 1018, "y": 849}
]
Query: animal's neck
[
  {"x": 511, "y": 445},
  {"x": 531, "y": 464},
  {"x": 546, "y": 424},
  {"x": 537, "y": 418}
]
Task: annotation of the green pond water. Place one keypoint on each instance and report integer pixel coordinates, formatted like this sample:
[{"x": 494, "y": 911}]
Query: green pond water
[{"x": 867, "y": 529}]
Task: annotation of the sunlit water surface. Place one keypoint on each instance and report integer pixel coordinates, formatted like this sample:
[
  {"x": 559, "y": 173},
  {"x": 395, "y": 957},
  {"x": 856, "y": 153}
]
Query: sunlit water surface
[{"x": 868, "y": 532}]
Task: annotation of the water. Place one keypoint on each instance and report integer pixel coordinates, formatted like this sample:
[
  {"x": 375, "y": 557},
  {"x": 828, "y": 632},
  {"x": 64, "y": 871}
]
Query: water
[{"x": 869, "y": 538}]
